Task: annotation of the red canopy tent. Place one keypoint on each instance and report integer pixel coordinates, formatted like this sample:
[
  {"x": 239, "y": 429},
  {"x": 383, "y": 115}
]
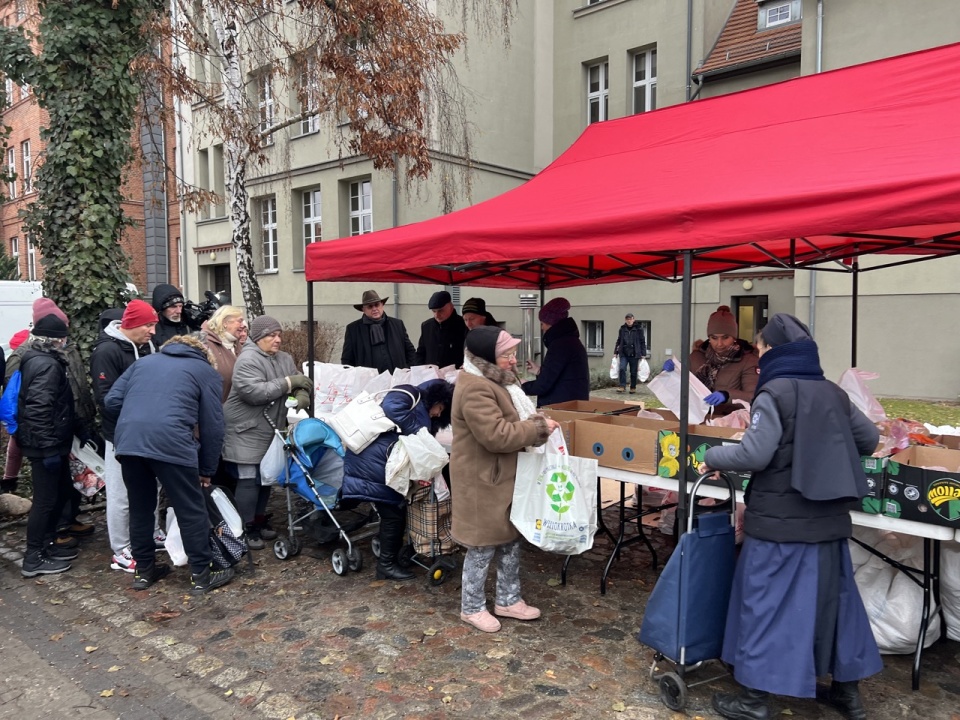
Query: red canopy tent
[{"x": 860, "y": 160}]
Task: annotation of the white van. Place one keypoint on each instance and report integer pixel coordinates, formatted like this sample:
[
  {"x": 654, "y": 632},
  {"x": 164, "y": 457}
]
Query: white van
[{"x": 16, "y": 306}]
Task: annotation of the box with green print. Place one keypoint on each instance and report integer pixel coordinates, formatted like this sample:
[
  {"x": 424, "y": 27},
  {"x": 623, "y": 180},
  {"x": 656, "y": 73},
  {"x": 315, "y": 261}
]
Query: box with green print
[
  {"x": 874, "y": 468},
  {"x": 923, "y": 484},
  {"x": 699, "y": 439}
]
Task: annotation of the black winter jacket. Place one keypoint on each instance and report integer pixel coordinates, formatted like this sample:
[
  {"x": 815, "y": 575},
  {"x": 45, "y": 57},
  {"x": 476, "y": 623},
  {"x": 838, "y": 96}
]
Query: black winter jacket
[
  {"x": 112, "y": 354},
  {"x": 441, "y": 344},
  {"x": 359, "y": 352},
  {"x": 565, "y": 372},
  {"x": 45, "y": 419},
  {"x": 630, "y": 342}
]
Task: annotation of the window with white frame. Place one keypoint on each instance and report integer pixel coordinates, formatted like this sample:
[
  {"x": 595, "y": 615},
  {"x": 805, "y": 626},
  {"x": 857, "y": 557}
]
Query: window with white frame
[
  {"x": 361, "y": 207},
  {"x": 27, "y": 164},
  {"x": 593, "y": 336},
  {"x": 309, "y": 101},
  {"x": 645, "y": 81},
  {"x": 24, "y": 91},
  {"x": 598, "y": 90},
  {"x": 31, "y": 260},
  {"x": 268, "y": 234},
  {"x": 774, "y": 13},
  {"x": 265, "y": 102},
  {"x": 311, "y": 216},
  {"x": 15, "y": 252},
  {"x": 8, "y": 88},
  {"x": 11, "y": 173}
]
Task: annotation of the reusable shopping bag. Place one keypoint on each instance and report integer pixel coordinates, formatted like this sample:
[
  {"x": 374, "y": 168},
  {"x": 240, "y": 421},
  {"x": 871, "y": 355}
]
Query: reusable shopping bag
[
  {"x": 615, "y": 368},
  {"x": 87, "y": 469},
  {"x": 360, "y": 422},
  {"x": 555, "y": 501}
]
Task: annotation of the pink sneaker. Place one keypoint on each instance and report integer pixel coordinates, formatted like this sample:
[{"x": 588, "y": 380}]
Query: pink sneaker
[
  {"x": 482, "y": 620},
  {"x": 519, "y": 611}
]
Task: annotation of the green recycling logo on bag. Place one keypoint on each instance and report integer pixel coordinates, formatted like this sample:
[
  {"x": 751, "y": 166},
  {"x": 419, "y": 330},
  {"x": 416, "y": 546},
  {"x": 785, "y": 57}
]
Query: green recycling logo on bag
[{"x": 560, "y": 490}]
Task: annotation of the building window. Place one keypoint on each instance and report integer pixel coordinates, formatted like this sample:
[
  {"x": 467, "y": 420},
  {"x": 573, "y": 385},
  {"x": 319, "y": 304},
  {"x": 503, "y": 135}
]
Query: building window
[
  {"x": 24, "y": 91},
  {"x": 31, "y": 260},
  {"x": 27, "y": 164},
  {"x": 21, "y": 10},
  {"x": 311, "y": 216},
  {"x": 308, "y": 97},
  {"x": 266, "y": 104},
  {"x": 8, "y": 85},
  {"x": 361, "y": 207},
  {"x": 11, "y": 173},
  {"x": 15, "y": 252},
  {"x": 268, "y": 234},
  {"x": 597, "y": 92},
  {"x": 775, "y": 14},
  {"x": 645, "y": 81},
  {"x": 593, "y": 336}
]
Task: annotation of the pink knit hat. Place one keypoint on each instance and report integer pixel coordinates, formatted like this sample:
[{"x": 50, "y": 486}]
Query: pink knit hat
[
  {"x": 45, "y": 306},
  {"x": 505, "y": 342}
]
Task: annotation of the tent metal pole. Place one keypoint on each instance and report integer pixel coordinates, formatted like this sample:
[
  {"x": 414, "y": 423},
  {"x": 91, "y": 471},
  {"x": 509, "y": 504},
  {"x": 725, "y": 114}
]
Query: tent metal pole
[
  {"x": 685, "y": 331},
  {"x": 310, "y": 342},
  {"x": 855, "y": 313}
]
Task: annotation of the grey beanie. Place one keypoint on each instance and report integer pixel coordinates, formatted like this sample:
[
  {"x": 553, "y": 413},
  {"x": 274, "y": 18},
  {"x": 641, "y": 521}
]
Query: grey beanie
[{"x": 263, "y": 326}]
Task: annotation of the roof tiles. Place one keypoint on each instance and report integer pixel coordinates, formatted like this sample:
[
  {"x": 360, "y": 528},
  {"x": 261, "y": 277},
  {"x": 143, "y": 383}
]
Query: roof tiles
[{"x": 740, "y": 42}]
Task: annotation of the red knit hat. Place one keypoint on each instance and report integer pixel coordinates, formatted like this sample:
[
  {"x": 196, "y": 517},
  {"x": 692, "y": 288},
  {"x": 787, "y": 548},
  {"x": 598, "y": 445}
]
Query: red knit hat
[
  {"x": 138, "y": 313},
  {"x": 45, "y": 306},
  {"x": 18, "y": 338}
]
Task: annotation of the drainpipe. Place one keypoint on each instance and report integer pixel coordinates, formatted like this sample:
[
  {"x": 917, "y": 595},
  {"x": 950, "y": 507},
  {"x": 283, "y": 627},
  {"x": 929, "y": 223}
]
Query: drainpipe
[
  {"x": 689, "y": 49},
  {"x": 395, "y": 192},
  {"x": 181, "y": 172},
  {"x": 812, "y": 313}
]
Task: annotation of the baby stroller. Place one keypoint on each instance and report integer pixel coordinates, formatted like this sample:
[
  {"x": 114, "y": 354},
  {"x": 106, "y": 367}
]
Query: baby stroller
[
  {"x": 687, "y": 610},
  {"x": 314, "y": 471},
  {"x": 429, "y": 542}
]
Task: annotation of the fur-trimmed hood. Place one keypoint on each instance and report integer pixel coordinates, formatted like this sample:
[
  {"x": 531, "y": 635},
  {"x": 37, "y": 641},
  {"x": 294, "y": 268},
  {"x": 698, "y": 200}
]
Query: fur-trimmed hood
[
  {"x": 191, "y": 341},
  {"x": 433, "y": 392},
  {"x": 492, "y": 371}
]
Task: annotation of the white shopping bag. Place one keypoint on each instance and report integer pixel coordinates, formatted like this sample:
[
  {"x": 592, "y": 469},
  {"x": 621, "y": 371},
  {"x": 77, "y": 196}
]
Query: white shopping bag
[
  {"x": 643, "y": 370},
  {"x": 336, "y": 385},
  {"x": 414, "y": 457},
  {"x": 87, "y": 469},
  {"x": 274, "y": 461},
  {"x": 555, "y": 501},
  {"x": 174, "y": 544},
  {"x": 615, "y": 368},
  {"x": 401, "y": 376},
  {"x": 383, "y": 381},
  {"x": 422, "y": 373},
  {"x": 853, "y": 383},
  {"x": 666, "y": 386}
]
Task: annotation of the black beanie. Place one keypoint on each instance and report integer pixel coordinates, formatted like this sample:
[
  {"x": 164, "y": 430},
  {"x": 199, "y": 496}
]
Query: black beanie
[
  {"x": 783, "y": 329},
  {"x": 50, "y": 326},
  {"x": 482, "y": 342}
]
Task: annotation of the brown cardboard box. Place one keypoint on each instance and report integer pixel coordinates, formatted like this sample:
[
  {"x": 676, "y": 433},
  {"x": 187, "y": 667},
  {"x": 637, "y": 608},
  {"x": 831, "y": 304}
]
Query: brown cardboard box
[
  {"x": 914, "y": 492},
  {"x": 566, "y": 413},
  {"x": 950, "y": 441},
  {"x": 627, "y": 443}
]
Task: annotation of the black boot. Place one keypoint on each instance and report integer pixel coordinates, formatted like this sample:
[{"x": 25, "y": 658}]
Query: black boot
[
  {"x": 391, "y": 540},
  {"x": 845, "y": 697},
  {"x": 748, "y": 705}
]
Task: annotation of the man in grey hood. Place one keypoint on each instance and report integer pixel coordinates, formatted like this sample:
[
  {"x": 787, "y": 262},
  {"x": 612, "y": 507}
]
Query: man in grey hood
[{"x": 120, "y": 343}]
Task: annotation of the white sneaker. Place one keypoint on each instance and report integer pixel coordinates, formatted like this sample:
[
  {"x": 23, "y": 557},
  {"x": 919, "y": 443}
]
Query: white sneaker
[
  {"x": 124, "y": 561},
  {"x": 159, "y": 538}
]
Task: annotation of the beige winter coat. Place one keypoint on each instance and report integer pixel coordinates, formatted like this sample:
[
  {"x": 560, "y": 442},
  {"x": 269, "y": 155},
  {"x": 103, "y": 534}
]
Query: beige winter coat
[{"x": 487, "y": 435}]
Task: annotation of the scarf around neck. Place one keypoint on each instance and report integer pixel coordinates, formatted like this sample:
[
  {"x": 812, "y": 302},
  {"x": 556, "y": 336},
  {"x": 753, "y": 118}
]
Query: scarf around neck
[
  {"x": 377, "y": 336},
  {"x": 799, "y": 360},
  {"x": 707, "y": 373}
]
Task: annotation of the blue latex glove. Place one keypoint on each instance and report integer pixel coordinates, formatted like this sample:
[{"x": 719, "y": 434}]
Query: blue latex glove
[
  {"x": 52, "y": 463},
  {"x": 715, "y": 398},
  {"x": 668, "y": 365}
]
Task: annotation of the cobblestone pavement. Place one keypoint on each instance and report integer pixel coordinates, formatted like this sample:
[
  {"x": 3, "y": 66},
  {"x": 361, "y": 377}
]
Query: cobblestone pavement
[{"x": 297, "y": 641}]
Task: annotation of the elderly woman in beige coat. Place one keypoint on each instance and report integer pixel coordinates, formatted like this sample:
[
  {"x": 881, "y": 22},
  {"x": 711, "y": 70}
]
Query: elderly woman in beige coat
[{"x": 493, "y": 420}]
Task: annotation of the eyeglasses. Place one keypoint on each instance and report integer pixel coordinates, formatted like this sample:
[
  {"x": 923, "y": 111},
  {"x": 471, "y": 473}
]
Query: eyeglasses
[{"x": 509, "y": 356}]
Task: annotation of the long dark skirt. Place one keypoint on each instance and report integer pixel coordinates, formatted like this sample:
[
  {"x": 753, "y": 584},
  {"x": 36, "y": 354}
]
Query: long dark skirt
[{"x": 795, "y": 614}]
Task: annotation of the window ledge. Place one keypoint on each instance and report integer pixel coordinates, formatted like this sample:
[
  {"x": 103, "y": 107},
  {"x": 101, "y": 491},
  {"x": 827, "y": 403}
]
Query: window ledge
[
  {"x": 213, "y": 220},
  {"x": 305, "y": 134},
  {"x": 597, "y": 7},
  {"x": 594, "y": 353},
  {"x": 267, "y": 272}
]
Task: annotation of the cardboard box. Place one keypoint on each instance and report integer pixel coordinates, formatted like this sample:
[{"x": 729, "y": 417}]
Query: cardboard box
[
  {"x": 699, "y": 439},
  {"x": 950, "y": 441},
  {"x": 628, "y": 443},
  {"x": 875, "y": 469},
  {"x": 914, "y": 492},
  {"x": 595, "y": 406}
]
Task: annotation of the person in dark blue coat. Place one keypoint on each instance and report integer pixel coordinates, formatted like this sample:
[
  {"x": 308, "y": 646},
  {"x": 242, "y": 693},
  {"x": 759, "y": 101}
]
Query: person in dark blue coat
[
  {"x": 169, "y": 426},
  {"x": 795, "y": 612},
  {"x": 364, "y": 474},
  {"x": 565, "y": 373}
]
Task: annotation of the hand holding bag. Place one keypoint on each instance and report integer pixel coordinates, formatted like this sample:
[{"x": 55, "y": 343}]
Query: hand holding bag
[
  {"x": 360, "y": 421},
  {"x": 615, "y": 368},
  {"x": 555, "y": 501}
]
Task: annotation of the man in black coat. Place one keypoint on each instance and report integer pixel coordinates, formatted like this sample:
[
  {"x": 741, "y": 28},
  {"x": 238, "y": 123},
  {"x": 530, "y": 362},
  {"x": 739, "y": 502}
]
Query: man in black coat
[
  {"x": 631, "y": 346},
  {"x": 441, "y": 339},
  {"x": 168, "y": 302},
  {"x": 375, "y": 340}
]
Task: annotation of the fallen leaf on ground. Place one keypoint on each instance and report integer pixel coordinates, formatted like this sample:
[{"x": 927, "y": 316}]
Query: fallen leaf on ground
[
  {"x": 90, "y": 648},
  {"x": 446, "y": 699},
  {"x": 553, "y": 582},
  {"x": 113, "y": 668},
  {"x": 122, "y": 693},
  {"x": 56, "y": 601},
  {"x": 618, "y": 706},
  {"x": 228, "y": 693},
  {"x": 106, "y": 693},
  {"x": 58, "y": 636},
  {"x": 144, "y": 658},
  {"x": 161, "y": 615},
  {"x": 267, "y": 637}
]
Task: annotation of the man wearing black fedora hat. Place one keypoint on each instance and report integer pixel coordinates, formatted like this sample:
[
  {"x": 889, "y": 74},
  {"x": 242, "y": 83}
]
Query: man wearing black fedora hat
[
  {"x": 441, "y": 338},
  {"x": 375, "y": 340}
]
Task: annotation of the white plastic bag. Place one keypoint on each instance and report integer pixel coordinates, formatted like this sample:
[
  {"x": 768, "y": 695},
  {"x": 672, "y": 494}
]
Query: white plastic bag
[
  {"x": 274, "y": 461},
  {"x": 174, "y": 544},
  {"x": 643, "y": 370},
  {"x": 666, "y": 386},
  {"x": 414, "y": 457},
  {"x": 228, "y": 511},
  {"x": 87, "y": 469},
  {"x": 853, "y": 383},
  {"x": 555, "y": 501},
  {"x": 336, "y": 385},
  {"x": 423, "y": 373},
  {"x": 950, "y": 588},
  {"x": 615, "y": 368}
]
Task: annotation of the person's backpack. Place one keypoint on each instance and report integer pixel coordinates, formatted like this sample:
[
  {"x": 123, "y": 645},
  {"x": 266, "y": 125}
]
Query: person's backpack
[{"x": 9, "y": 402}]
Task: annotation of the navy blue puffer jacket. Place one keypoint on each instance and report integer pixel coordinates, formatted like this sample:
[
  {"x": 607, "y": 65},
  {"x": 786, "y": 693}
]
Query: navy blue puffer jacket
[{"x": 364, "y": 474}]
